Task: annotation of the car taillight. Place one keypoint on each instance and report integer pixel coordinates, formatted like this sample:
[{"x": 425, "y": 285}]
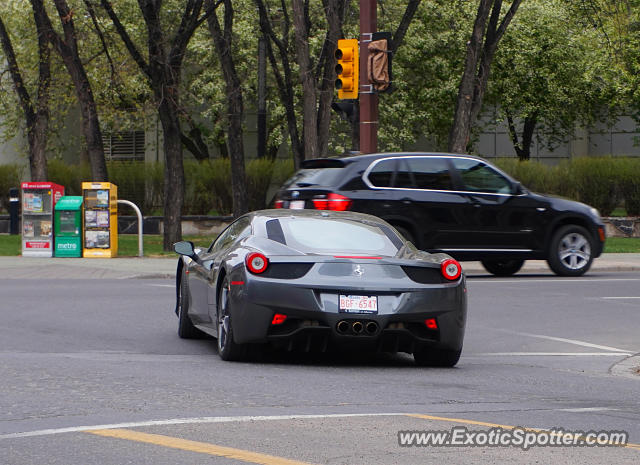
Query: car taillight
[
  {"x": 451, "y": 269},
  {"x": 256, "y": 262},
  {"x": 431, "y": 323},
  {"x": 335, "y": 202},
  {"x": 278, "y": 204},
  {"x": 278, "y": 319}
]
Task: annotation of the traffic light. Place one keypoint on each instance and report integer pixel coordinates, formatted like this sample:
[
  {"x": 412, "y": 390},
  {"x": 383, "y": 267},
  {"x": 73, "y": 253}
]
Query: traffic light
[{"x": 347, "y": 68}]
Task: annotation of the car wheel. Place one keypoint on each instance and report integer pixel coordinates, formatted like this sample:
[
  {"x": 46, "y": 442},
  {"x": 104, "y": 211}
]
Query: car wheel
[
  {"x": 437, "y": 357},
  {"x": 502, "y": 267},
  {"x": 406, "y": 234},
  {"x": 186, "y": 329},
  {"x": 570, "y": 253},
  {"x": 228, "y": 349}
]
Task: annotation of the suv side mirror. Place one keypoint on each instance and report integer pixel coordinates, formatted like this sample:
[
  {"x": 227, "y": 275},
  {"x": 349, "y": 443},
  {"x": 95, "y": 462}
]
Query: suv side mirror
[
  {"x": 518, "y": 189},
  {"x": 184, "y": 248}
]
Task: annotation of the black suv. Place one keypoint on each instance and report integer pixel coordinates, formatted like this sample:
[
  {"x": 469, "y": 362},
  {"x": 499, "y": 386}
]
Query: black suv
[{"x": 458, "y": 204}]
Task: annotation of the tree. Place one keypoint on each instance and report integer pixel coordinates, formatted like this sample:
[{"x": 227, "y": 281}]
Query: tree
[
  {"x": 163, "y": 68},
  {"x": 481, "y": 49},
  {"x": 223, "y": 42},
  {"x": 67, "y": 47},
  {"x": 36, "y": 115},
  {"x": 548, "y": 76}
]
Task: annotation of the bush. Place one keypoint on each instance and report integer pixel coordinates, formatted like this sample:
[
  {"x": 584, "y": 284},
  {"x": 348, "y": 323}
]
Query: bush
[
  {"x": 629, "y": 181},
  {"x": 69, "y": 176},
  {"x": 533, "y": 175},
  {"x": 595, "y": 181},
  {"x": 10, "y": 176}
]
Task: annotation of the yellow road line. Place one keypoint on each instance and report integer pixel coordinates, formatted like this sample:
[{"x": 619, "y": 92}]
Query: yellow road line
[
  {"x": 195, "y": 446},
  {"x": 497, "y": 425}
]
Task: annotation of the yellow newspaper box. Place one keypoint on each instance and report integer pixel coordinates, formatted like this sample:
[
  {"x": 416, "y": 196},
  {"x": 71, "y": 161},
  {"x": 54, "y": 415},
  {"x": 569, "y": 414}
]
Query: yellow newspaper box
[{"x": 100, "y": 220}]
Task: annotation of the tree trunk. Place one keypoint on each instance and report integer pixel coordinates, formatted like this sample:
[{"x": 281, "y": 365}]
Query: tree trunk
[
  {"x": 477, "y": 69},
  {"x": 523, "y": 150},
  {"x": 67, "y": 48},
  {"x": 173, "y": 171},
  {"x": 235, "y": 108},
  {"x": 309, "y": 109},
  {"x": 36, "y": 120},
  {"x": 334, "y": 10},
  {"x": 163, "y": 71},
  {"x": 459, "y": 135}
]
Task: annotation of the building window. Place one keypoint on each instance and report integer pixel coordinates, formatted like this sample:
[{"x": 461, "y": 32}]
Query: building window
[{"x": 124, "y": 146}]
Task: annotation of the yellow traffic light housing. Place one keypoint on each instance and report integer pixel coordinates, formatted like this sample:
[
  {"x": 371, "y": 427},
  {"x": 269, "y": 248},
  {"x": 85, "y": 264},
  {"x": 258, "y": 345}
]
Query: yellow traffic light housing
[{"x": 347, "y": 68}]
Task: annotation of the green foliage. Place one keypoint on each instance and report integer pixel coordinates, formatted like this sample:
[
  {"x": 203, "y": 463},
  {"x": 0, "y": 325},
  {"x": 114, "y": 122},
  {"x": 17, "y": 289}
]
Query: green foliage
[
  {"x": 595, "y": 182},
  {"x": 10, "y": 176},
  {"x": 69, "y": 176},
  {"x": 629, "y": 182},
  {"x": 602, "y": 182},
  {"x": 208, "y": 184}
]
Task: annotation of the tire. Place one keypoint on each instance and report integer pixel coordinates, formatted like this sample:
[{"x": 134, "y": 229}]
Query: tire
[
  {"x": 502, "y": 267},
  {"x": 570, "y": 253},
  {"x": 228, "y": 349},
  {"x": 437, "y": 357},
  {"x": 404, "y": 232},
  {"x": 186, "y": 329}
]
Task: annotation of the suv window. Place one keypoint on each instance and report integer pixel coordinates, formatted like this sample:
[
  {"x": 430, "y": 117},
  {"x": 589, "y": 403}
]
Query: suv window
[
  {"x": 315, "y": 177},
  {"x": 478, "y": 177},
  {"x": 381, "y": 175},
  {"x": 427, "y": 173}
]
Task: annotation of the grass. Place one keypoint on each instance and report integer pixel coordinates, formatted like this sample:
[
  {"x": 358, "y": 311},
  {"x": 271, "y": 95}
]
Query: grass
[
  {"x": 127, "y": 245},
  {"x": 622, "y": 245},
  {"x": 152, "y": 244}
]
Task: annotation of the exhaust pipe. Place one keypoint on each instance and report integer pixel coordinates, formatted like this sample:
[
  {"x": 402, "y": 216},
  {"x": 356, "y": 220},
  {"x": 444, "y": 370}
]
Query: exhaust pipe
[
  {"x": 342, "y": 327},
  {"x": 371, "y": 327},
  {"x": 357, "y": 327}
]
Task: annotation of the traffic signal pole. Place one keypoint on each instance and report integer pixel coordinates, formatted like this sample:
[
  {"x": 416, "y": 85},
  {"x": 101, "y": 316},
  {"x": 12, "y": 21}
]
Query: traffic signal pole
[{"x": 368, "y": 98}]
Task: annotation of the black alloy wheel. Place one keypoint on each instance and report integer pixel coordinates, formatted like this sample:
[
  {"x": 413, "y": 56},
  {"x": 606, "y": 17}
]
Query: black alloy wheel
[
  {"x": 228, "y": 349},
  {"x": 186, "y": 329}
]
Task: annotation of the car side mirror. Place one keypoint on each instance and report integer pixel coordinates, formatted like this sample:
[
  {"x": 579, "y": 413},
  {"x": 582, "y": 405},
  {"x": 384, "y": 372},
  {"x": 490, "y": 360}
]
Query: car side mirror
[
  {"x": 518, "y": 189},
  {"x": 184, "y": 248}
]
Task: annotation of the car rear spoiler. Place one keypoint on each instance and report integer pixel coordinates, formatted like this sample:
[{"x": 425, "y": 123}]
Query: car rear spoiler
[{"x": 323, "y": 163}]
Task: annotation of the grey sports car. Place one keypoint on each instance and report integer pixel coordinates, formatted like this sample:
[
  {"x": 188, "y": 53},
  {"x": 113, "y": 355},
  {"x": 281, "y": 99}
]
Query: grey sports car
[{"x": 314, "y": 280}]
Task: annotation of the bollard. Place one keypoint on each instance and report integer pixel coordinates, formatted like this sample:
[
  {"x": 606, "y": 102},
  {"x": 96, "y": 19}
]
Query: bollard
[{"x": 14, "y": 211}]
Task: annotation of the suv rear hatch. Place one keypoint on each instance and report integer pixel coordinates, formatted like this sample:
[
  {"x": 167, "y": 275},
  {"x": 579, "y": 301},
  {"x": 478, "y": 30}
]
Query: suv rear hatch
[{"x": 312, "y": 187}]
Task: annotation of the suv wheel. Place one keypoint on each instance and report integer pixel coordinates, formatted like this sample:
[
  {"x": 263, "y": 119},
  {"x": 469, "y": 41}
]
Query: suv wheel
[
  {"x": 570, "y": 253},
  {"x": 502, "y": 267}
]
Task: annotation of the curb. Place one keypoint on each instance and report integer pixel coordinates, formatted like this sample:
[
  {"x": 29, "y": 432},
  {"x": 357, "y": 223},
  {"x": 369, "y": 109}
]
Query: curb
[{"x": 629, "y": 367}]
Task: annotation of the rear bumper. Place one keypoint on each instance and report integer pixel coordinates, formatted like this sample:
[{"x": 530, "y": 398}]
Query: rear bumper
[{"x": 314, "y": 322}]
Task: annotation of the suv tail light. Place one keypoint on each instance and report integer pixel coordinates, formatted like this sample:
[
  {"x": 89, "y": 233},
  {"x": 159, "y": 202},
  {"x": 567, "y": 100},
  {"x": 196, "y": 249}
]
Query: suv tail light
[
  {"x": 451, "y": 269},
  {"x": 278, "y": 204},
  {"x": 256, "y": 262},
  {"x": 335, "y": 202}
]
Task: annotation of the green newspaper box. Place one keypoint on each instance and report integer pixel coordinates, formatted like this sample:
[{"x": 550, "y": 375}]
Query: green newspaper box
[{"x": 68, "y": 226}]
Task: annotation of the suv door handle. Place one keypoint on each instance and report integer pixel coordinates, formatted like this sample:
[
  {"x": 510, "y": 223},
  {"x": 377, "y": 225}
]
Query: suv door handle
[{"x": 406, "y": 201}]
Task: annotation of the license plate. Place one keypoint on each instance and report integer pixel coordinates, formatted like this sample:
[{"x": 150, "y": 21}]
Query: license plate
[
  {"x": 358, "y": 304},
  {"x": 296, "y": 205}
]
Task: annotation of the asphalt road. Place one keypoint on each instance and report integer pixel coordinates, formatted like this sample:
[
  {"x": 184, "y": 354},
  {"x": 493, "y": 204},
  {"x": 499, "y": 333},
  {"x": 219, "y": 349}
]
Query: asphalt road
[{"x": 92, "y": 372}]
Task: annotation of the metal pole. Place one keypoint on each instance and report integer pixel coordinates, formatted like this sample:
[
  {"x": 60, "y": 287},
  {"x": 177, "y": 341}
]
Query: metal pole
[
  {"x": 135, "y": 207},
  {"x": 368, "y": 99}
]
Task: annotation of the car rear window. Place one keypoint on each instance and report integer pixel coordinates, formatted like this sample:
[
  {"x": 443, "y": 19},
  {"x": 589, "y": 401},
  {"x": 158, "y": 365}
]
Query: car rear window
[
  {"x": 315, "y": 177},
  {"x": 337, "y": 236}
]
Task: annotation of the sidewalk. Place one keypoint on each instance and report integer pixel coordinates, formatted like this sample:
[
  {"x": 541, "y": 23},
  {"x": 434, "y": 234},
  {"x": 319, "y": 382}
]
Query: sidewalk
[{"x": 161, "y": 268}]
